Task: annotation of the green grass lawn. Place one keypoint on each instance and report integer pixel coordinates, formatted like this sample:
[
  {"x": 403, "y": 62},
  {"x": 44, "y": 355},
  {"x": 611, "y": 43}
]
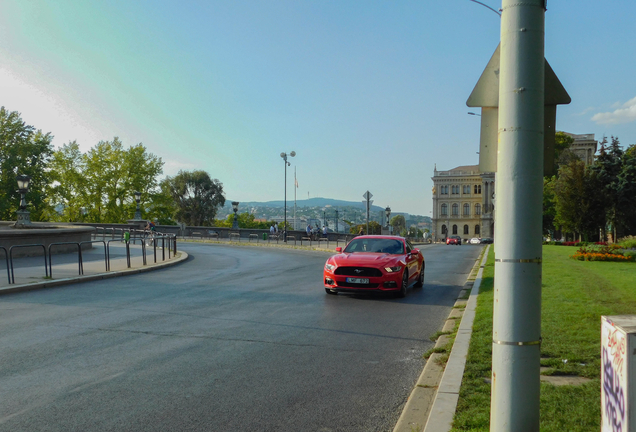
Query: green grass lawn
[{"x": 574, "y": 296}]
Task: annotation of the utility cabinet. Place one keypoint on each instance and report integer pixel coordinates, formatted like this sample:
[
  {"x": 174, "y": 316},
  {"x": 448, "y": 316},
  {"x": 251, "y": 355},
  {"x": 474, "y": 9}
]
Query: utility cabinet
[{"x": 618, "y": 373}]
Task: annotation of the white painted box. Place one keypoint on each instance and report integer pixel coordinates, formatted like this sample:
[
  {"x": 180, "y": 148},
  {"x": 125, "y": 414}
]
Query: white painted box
[{"x": 618, "y": 373}]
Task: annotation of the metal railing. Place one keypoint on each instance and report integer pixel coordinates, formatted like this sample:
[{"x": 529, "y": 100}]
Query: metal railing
[
  {"x": 6, "y": 257},
  {"x": 168, "y": 242},
  {"x": 46, "y": 271}
]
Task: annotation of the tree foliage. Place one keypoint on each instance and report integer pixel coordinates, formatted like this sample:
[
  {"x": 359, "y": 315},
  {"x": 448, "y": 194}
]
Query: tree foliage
[
  {"x": 196, "y": 197},
  {"x": 23, "y": 150},
  {"x": 374, "y": 228},
  {"x": 245, "y": 220},
  {"x": 569, "y": 192},
  {"x": 589, "y": 200},
  {"x": 549, "y": 206},
  {"x": 399, "y": 224},
  {"x": 99, "y": 186}
]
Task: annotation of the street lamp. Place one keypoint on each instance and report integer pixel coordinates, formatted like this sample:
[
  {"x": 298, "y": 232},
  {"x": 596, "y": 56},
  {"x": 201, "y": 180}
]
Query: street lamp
[
  {"x": 284, "y": 156},
  {"x": 235, "y": 225},
  {"x": 138, "y": 200},
  {"x": 24, "y": 217}
]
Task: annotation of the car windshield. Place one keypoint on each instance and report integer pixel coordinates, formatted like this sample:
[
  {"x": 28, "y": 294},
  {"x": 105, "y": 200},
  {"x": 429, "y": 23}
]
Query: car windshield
[{"x": 389, "y": 246}]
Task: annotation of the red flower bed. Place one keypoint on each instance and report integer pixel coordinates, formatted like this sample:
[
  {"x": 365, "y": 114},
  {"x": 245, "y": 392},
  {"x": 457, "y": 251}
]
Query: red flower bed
[{"x": 604, "y": 253}]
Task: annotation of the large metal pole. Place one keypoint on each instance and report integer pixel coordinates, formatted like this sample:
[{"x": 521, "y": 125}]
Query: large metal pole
[
  {"x": 285, "y": 214},
  {"x": 518, "y": 242}
]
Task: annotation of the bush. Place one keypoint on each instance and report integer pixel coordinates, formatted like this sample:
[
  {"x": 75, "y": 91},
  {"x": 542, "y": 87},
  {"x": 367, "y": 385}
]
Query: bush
[
  {"x": 603, "y": 253},
  {"x": 628, "y": 242}
]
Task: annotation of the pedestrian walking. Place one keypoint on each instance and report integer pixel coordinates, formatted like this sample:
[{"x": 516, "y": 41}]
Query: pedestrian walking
[{"x": 324, "y": 231}]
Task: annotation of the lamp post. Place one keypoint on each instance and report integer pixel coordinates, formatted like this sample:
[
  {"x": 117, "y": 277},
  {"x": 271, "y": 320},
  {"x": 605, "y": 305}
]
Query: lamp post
[
  {"x": 235, "y": 225},
  {"x": 284, "y": 156},
  {"x": 138, "y": 200},
  {"x": 24, "y": 216}
]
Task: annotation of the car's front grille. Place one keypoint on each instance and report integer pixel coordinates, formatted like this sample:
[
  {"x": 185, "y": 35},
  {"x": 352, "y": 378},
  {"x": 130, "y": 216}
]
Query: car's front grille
[
  {"x": 357, "y": 285},
  {"x": 358, "y": 271}
]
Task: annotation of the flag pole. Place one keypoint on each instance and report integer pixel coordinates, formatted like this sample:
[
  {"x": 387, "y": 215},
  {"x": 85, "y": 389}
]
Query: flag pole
[{"x": 295, "y": 187}]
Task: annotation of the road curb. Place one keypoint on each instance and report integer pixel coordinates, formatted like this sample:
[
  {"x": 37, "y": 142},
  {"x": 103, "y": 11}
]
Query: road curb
[
  {"x": 182, "y": 256},
  {"x": 443, "y": 410},
  {"x": 432, "y": 396}
]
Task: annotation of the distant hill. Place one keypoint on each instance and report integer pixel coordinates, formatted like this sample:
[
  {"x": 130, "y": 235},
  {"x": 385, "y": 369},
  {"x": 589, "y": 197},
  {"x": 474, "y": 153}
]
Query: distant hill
[{"x": 311, "y": 202}]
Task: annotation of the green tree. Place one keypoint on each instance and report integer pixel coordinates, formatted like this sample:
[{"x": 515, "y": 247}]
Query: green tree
[
  {"x": 374, "y": 228},
  {"x": 196, "y": 196},
  {"x": 98, "y": 186},
  {"x": 626, "y": 189},
  {"x": 399, "y": 224},
  {"x": 579, "y": 207},
  {"x": 68, "y": 184},
  {"x": 549, "y": 206},
  {"x": 245, "y": 220},
  {"x": 569, "y": 190},
  {"x": 23, "y": 150},
  {"x": 607, "y": 166}
]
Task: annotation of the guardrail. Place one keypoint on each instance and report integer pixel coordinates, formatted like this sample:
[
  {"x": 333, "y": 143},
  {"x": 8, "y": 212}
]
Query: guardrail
[
  {"x": 46, "y": 271},
  {"x": 170, "y": 239},
  {"x": 79, "y": 256},
  {"x": 6, "y": 257}
]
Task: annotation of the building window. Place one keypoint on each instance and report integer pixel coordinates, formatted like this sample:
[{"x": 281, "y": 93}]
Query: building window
[
  {"x": 477, "y": 189},
  {"x": 455, "y": 190},
  {"x": 466, "y": 209},
  {"x": 477, "y": 209},
  {"x": 444, "y": 210},
  {"x": 477, "y": 230},
  {"x": 444, "y": 230},
  {"x": 466, "y": 190},
  {"x": 454, "y": 229},
  {"x": 455, "y": 210},
  {"x": 465, "y": 229},
  {"x": 443, "y": 190}
]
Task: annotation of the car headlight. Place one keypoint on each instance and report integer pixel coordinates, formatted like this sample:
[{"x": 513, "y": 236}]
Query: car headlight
[
  {"x": 393, "y": 269},
  {"x": 330, "y": 267}
]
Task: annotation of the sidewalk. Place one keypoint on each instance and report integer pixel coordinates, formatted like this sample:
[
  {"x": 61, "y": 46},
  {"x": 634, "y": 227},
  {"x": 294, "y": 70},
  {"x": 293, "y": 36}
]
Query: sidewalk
[
  {"x": 432, "y": 403},
  {"x": 29, "y": 273}
]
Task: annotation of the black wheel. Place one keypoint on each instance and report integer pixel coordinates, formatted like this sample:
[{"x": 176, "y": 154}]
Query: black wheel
[
  {"x": 405, "y": 285},
  {"x": 420, "y": 279},
  {"x": 330, "y": 291}
]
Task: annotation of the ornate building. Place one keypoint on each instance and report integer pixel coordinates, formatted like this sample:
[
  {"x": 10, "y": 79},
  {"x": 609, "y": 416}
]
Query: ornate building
[
  {"x": 462, "y": 203},
  {"x": 584, "y": 146},
  {"x": 464, "y": 198}
]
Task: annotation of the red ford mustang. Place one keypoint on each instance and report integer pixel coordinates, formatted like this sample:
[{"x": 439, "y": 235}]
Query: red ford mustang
[{"x": 375, "y": 264}]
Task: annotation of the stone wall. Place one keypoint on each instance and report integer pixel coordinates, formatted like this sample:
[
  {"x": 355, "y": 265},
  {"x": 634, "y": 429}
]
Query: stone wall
[{"x": 43, "y": 234}]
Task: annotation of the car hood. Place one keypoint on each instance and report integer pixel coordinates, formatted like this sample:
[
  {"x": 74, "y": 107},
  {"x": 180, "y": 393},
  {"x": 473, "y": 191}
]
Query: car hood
[{"x": 365, "y": 259}]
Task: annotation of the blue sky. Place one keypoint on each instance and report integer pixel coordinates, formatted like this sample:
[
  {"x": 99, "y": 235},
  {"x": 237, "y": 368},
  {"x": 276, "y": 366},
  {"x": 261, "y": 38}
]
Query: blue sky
[{"x": 370, "y": 94}]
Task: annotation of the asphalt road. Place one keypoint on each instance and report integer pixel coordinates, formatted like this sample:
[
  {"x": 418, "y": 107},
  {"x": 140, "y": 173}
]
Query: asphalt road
[{"x": 236, "y": 338}]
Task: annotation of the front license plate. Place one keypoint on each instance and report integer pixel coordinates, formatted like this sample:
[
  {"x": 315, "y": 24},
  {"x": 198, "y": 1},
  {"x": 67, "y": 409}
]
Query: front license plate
[{"x": 358, "y": 280}]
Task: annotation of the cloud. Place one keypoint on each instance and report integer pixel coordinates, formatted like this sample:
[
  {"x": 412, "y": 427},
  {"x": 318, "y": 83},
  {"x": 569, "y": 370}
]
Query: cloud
[
  {"x": 625, "y": 114},
  {"x": 585, "y": 111}
]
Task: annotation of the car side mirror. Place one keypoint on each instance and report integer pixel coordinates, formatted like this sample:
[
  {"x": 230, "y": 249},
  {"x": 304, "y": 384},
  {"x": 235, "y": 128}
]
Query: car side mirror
[
  {"x": 415, "y": 251},
  {"x": 339, "y": 249}
]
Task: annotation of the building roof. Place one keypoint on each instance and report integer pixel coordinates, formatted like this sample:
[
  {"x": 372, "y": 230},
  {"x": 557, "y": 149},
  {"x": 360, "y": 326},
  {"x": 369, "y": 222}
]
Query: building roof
[{"x": 466, "y": 168}]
